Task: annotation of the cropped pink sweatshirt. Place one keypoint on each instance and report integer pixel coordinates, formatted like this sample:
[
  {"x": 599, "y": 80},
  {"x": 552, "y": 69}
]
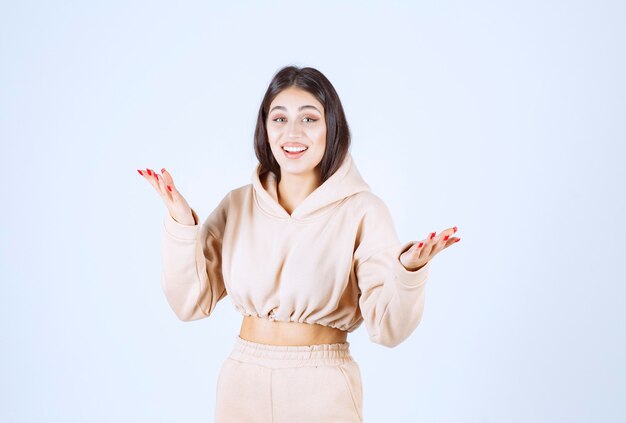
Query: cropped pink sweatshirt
[{"x": 333, "y": 261}]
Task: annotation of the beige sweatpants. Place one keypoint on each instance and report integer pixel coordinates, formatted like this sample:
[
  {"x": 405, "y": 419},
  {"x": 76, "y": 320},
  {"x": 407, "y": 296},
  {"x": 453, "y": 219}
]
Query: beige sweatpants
[{"x": 261, "y": 383}]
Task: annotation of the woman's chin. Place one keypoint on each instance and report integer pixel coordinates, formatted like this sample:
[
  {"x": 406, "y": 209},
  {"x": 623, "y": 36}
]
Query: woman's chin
[{"x": 297, "y": 168}]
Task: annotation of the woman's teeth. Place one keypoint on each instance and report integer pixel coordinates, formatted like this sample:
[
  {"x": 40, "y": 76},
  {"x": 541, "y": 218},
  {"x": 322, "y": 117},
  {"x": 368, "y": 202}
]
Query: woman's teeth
[{"x": 294, "y": 149}]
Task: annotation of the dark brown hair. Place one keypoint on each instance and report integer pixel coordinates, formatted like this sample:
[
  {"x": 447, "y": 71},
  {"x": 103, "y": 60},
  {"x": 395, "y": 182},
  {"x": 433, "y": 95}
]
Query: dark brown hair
[{"x": 337, "y": 130}]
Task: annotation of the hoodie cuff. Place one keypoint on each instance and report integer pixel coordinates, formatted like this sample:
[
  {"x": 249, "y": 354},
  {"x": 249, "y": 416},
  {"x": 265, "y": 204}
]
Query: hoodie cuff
[
  {"x": 179, "y": 230},
  {"x": 407, "y": 278}
]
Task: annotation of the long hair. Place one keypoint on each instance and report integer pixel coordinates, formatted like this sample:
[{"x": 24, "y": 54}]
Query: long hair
[{"x": 337, "y": 130}]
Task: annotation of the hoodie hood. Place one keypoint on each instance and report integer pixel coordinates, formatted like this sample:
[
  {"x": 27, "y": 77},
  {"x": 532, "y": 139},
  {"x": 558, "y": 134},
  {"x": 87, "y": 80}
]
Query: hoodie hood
[{"x": 346, "y": 181}]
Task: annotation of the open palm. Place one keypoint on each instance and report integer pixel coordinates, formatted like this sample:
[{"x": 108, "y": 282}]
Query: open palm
[
  {"x": 421, "y": 252},
  {"x": 174, "y": 201}
]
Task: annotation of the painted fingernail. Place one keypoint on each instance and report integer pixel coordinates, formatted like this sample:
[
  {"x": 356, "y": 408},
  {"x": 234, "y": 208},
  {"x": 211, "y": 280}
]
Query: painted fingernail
[
  {"x": 169, "y": 187},
  {"x": 432, "y": 235},
  {"x": 445, "y": 238},
  {"x": 156, "y": 176},
  {"x": 454, "y": 229},
  {"x": 163, "y": 170},
  {"x": 149, "y": 172},
  {"x": 140, "y": 172},
  {"x": 457, "y": 240},
  {"x": 420, "y": 246}
]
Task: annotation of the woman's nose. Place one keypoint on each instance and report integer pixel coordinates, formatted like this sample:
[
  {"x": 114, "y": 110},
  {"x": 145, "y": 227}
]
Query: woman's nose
[{"x": 294, "y": 130}]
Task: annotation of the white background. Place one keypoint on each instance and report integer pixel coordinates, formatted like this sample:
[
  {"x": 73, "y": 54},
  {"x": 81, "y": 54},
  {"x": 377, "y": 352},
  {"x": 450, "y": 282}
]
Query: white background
[{"x": 506, "y": 119}]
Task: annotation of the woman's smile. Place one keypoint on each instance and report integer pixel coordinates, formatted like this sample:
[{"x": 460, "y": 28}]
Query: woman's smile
[{"x": 294, "y": 150}]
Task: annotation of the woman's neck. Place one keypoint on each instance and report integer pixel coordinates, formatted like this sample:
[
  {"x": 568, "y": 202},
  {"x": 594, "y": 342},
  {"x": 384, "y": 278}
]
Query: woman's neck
[{"x": 294, "y": 188}]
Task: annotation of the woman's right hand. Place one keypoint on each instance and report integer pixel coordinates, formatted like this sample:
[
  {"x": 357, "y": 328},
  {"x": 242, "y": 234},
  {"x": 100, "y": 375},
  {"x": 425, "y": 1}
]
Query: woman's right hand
[{"x": 176, "y": 204}]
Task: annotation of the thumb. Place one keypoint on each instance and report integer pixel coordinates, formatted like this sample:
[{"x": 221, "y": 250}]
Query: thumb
[{"x": 167, "y": 178}]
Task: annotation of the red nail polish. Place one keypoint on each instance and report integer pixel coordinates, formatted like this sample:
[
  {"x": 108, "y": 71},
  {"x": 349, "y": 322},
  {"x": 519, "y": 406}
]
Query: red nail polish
[
  {"x": 458, "y": 239},
  {"x": 140, "y": 172},
  {"x": 454, "y": 229},
  {"x": 445, "y": 238},
  {"x": 420, "y": 246},
  {"x": 156, "y": 176},
  {"x": 169, "y": 187},
  {"x": 162, "y": 170},
  {"x": 432, "y": 235},
  {"x": 149, "y": 173}
]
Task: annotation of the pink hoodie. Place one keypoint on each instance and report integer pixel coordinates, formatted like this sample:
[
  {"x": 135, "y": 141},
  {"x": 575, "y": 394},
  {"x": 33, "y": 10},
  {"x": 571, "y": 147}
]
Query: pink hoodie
[{"x": 334, "y": 261}]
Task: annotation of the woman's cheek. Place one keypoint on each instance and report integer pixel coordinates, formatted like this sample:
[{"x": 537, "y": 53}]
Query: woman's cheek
[{"x": 272, "y": 134}]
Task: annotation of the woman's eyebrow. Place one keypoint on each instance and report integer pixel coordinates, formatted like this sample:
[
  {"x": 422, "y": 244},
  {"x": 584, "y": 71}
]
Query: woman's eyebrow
[{"x": 306, "y": 106}]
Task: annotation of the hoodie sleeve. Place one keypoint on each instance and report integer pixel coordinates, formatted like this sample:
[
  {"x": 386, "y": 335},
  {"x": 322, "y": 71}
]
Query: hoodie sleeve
[
  {"x": 192, "y": 263},
  {"x": 391, "y": 297}
]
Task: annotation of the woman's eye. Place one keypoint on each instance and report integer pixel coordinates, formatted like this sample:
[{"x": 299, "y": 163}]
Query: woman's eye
[{"x": 312, "y": 120}]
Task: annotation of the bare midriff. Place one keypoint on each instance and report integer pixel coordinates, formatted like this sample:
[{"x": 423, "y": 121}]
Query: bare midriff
[{"x": 266, "y": 331}]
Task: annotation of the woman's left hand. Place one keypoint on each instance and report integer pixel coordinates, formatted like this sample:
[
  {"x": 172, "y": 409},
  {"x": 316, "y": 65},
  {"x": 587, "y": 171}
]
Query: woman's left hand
[{"x": 422, "y": 251}]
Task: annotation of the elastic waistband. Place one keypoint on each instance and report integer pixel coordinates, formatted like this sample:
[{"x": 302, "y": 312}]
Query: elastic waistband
[{"x": 290, "y": 355}]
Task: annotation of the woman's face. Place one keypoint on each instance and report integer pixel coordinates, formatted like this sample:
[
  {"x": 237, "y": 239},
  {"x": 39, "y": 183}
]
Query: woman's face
[{"x": 296, "y": 119}]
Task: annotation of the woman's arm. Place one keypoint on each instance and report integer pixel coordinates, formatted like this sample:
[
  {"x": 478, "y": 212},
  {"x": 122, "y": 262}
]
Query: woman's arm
[
  {"x": 192, "y": 263},
  {"x": 392, "y": 297}
]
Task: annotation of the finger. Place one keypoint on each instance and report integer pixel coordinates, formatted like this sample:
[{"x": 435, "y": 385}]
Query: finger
[
  {"x": 169, "y": 181},
  {"x": 440, "y": 244},
  {"x": 151, "y": 177},
  {"x": 428, "y": 245},
  {"x": 447, "y": 231},
  {"x": 443, "y": 236},
  {"x": 167, "y": 177},
  {"x": 416, "y": 248},
  {"x": 155, "y": 181},
  {"x": 444, "y": 240},
  {"x": 160, "y": 183},
  {"x": 147, "y": 174},
  {"x": 451, "y": 241}
]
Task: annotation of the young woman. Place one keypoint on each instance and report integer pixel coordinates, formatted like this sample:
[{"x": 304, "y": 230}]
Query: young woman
[{"x": 306, "y": 252}]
